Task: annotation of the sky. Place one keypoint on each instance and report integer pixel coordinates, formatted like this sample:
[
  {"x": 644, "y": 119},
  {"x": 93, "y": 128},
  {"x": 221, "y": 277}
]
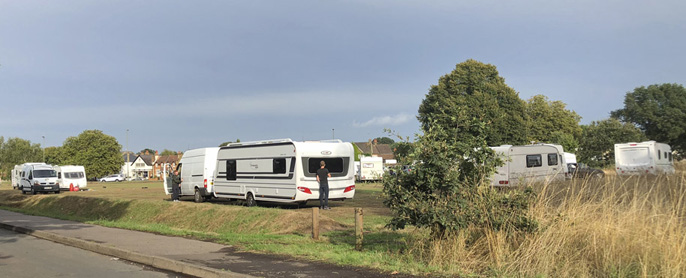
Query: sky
[{"x": 180, "y": 75}]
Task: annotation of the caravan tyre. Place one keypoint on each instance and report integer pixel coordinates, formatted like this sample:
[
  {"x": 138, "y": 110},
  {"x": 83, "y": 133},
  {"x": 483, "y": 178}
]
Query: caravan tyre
[
  {"x": 197, "y": 197},
  {"x": 250, "y": 200}
]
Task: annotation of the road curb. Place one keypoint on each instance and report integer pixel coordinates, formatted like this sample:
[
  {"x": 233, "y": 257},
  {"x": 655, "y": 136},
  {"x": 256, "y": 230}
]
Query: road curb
[{"x": 155, "y": 261}]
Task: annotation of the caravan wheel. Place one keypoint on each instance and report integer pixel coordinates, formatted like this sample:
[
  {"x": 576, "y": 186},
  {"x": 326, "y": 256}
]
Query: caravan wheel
[
  {"x": 250, "y": 200},
  {"x": 197, "y": 198}
]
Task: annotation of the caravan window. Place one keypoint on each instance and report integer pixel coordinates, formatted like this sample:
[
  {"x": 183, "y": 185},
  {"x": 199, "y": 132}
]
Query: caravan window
[
  {"x": 279, "y": 166},
  {"x": 231, "y": 170},
  {"x": 552, "y": 159},
  {"x": 535, "y": 160},
  {"x": 335, "y": 165}
]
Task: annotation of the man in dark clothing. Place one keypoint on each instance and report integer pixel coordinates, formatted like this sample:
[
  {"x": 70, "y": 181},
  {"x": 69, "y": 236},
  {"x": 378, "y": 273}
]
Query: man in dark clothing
[
  {"x": 176, "y": 185},
  {"x": 323, "y": 176}
]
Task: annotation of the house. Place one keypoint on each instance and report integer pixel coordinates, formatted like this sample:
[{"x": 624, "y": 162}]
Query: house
[
  {"x": 371, "y": 149},
  {"x": 126, "y": 167},
  {"x": 162, "y": 160},
  {"x": 139, "y": 166}
]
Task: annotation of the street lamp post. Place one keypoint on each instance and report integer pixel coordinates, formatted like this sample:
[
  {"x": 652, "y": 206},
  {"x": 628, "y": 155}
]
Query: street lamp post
[
  {"x": 43, "y": 148},
  {"x": 127, "y": 153},
  {"x": 333, "y": 134}
]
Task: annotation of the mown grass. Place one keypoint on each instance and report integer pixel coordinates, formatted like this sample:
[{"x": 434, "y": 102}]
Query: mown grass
[{"x": 616, "y": 227}]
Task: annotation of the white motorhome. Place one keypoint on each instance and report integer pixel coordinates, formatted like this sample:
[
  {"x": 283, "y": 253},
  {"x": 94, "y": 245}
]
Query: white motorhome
[
  {"x": 283, "y": 171},
  {"x": 371, "y": 168},
  {"x": 643, "y": 158},
  {"x": 529, "y": 163},
  {"x": 197, "y": 168},
  {"x": 71, "y": 176},
  {"x": 39, "y": 178},
  {"x": 16, "y": 173}
]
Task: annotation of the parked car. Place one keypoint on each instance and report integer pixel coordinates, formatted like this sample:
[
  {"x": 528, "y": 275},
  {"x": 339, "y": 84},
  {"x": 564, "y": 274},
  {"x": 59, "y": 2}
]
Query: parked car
[
  {"x": 115, "y": 177},
  {"x": 581, "y": 170}
]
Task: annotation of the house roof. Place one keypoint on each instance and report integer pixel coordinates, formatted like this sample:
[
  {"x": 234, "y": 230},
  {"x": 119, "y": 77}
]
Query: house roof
[
  {"x": 147, "y": 158},
  {"x": 162, "y": 159},
  {"x": 132, "y": 156},
  {"x": 382, "y": 150}
]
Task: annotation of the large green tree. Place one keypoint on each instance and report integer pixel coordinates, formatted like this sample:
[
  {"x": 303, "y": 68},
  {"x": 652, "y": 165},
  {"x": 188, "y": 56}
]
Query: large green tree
[
  {"x": 596, "y": 146},
  {"x": 99, "y": 153},
  {"x": 16, "y": 151},
  {"x": 54, "y": 156},
  {"x": 658, "y": 110},
  {"x": 384, "y": 140},
  {"x": 474, "y": 90},
  {"x": 449, "y": 189},
  {"x": 549, "y": 121}
]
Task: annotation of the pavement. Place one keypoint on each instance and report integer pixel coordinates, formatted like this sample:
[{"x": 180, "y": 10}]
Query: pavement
[{"x": 177, "y": 254}]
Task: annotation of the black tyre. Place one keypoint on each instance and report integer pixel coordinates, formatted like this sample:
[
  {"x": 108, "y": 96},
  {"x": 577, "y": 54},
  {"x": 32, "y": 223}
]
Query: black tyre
[
  {"x": 250, "y": 200},
  {"x": 33, "y": 191},
  {"x": 197, "y": 197},
  {"x": 58, "y": 191}
]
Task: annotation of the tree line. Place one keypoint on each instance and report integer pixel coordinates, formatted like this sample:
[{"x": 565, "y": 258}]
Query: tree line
[
  {"x": 99, "y": 153},
  {"x": 475, "y": 90},
  {"x": 471, "y": 109}
]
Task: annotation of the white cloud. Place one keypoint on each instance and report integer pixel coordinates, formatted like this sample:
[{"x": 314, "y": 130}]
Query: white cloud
[{"x": 385, "y": 120}]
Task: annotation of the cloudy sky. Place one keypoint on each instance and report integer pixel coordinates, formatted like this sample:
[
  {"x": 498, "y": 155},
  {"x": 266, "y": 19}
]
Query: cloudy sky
[{"x": 189, "y": 74}]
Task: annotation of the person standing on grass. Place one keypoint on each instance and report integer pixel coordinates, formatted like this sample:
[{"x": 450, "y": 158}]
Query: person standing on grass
[
  {"x": 323, "y": 176},
  {"x": 176, "y": 185}
]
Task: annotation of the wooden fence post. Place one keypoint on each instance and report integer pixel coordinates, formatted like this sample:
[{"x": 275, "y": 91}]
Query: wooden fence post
[
  {"x": 315, "y": 223},
  {"x": 358, "y": 229}
]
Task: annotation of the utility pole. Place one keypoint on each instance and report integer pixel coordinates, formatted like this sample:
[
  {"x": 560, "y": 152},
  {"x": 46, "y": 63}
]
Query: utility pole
[
  {"x": 127, "y": 153},
  {"x": 43, "y": 148}
]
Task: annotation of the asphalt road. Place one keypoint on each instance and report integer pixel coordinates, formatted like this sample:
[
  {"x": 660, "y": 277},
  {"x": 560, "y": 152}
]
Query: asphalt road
[{"x": 26, "y": 256}]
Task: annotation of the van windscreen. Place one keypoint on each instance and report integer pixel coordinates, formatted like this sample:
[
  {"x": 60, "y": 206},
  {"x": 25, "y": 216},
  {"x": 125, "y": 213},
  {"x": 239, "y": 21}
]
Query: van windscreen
[{"x": 44, "y": 174}]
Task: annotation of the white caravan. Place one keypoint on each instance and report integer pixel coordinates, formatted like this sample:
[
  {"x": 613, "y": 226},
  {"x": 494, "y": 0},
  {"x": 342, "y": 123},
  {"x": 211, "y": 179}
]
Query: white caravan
[
  {"x": 642, "y": 158},
  {"x": 283, "y": 171},
  {"x": 371, "y": 168},
  {"x": 39, "y": 178},
  {"x": 16, "y": 173},
  {"x": 529, "y": 163},
  {"x": 71, "y": 175},
  {"x": 197, "y": 169}
]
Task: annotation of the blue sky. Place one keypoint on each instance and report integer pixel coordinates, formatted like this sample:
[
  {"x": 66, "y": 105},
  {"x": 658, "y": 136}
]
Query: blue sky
[{"x": 189, "y": 74}]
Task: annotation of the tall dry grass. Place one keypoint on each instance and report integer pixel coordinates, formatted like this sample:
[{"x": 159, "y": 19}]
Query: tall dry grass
[{"x": 616, "y": 227}]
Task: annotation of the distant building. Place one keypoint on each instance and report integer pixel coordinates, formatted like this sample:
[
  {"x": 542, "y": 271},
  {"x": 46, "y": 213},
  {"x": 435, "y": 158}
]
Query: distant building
[
  {"x": 381, "y": 150},
  {"x": 162, "y": 160},
  {"x": 138, "y": 167}
]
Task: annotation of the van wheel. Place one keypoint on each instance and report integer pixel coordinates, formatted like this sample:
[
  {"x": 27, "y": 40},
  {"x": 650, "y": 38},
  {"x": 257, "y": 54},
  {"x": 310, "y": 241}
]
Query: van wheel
[
  {"x": 250, "y": 200},
  {"x": 58, "y": 191},
  {"x": 33, "y": 191},
  {"x": 197, "y": 198}
]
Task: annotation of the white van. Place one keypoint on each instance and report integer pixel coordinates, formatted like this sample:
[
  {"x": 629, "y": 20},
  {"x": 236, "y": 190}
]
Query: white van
[
  {"x": 16, "y": 173},
  {"x": 197, "y": 169},
  {"x": 371, "y": 168},
  {"x": 529, "y": 163},
  {"x": 643, "y": 158},
  {"x": 39, "y": 178},
  {"x": 71, "y": 175},
  {"x": 283, "y": 170}
]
